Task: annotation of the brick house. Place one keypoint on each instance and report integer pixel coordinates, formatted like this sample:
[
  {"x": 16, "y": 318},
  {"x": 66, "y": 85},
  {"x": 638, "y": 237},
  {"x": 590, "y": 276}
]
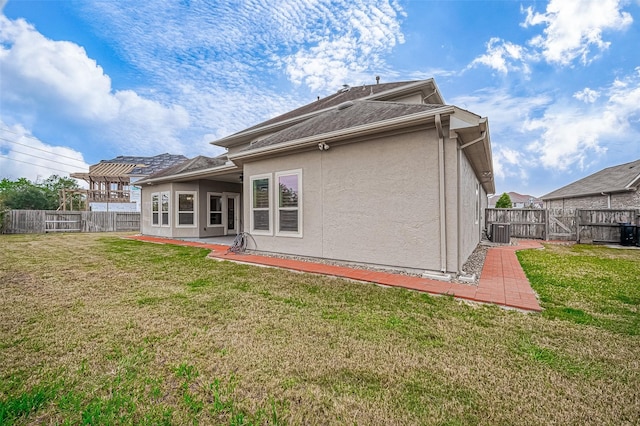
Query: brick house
[{"x": 615, "y": 187}]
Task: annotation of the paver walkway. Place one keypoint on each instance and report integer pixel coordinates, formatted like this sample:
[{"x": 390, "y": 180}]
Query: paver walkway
[{"x": 502, "y": 281}]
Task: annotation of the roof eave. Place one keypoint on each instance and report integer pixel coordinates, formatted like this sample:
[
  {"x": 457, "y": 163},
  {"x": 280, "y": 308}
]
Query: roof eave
[
  {"x": 341, "y": 134},
  {"x": 230, "y": 166},
  {"x": 587, "y": 194}
]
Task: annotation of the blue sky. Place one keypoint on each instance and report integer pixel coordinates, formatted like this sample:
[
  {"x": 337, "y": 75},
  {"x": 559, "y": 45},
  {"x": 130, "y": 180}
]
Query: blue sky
[{"x": 82, "y": 81}]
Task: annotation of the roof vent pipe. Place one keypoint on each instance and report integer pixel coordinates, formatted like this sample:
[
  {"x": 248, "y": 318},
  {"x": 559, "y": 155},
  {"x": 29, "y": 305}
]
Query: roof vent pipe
[{"x": 377, "y": 79}]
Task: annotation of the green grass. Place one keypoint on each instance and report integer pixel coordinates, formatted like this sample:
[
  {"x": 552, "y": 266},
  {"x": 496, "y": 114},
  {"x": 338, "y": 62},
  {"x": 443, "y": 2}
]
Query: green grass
[
  {"x": 585, "y": 284},
  {"x": 95, "y": 329}
]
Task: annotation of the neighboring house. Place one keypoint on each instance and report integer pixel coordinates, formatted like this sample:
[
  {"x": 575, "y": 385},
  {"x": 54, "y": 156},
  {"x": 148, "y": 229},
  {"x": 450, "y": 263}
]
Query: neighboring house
[
  {"x": 612, "y": 188},
  {"x": 111, "y": 181},
  {"x": 382, "y": 174},
  {"x": 519, "y": 201}
]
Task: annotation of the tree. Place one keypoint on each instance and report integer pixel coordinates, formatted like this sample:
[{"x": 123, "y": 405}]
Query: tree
[
  {"x": 504, "y": 202},
  {"x": 22, "y": 194}
]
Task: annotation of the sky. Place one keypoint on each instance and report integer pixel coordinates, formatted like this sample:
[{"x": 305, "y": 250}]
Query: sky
[{"x": 85, "y": 81}]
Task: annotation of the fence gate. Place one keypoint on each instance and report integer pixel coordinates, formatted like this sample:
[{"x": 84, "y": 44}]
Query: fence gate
[{"x": 562, "y": 224}]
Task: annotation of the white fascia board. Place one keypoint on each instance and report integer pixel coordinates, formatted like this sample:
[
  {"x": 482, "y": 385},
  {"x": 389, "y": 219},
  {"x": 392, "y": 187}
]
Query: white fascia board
[
  {"x": 635, "y": 181},
  {"x": 197, "y": 173},
  {"x": 344, "y": 133}
]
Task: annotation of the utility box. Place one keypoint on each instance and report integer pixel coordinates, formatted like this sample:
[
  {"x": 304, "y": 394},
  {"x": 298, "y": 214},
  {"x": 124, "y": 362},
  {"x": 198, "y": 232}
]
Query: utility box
[{"x": 501, "y": 233}]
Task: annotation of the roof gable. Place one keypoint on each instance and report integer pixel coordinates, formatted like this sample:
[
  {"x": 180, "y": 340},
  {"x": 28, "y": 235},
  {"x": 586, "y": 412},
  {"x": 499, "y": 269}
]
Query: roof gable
[{"x": 612, "y": 179}]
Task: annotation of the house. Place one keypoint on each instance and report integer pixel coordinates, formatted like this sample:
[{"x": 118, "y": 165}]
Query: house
[
  {"x": 612, "y": 188},
  {"x": 384, "y": 174},
  {"x": 110, "y": 181},
  {"x": 518, "y": 201}
]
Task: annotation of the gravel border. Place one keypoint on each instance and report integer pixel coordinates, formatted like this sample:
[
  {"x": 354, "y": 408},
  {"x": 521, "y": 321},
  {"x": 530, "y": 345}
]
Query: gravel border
[{"x": 470, "y": 275}]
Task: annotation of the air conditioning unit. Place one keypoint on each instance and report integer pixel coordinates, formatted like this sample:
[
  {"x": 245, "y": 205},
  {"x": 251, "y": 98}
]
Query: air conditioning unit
[{"x": 501, "y": 233}]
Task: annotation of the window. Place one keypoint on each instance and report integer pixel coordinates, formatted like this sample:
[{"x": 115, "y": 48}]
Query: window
[
  {"x": 215, "y": 209},
  {"x": 288, "y": 213},
  {"x": 164, "y": 208},
  {"x": 186, "y": 208},
  {"x": 261, "y": 204},
  {"x": 160, "y": 209},
  {"x": 155, "y": 209}
]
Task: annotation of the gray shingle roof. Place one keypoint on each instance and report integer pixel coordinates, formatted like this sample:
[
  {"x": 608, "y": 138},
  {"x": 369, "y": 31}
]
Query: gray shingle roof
[
  {"x": 359, "y": 113},
  {"x": 356, "y": 92},
  {"x": 611, "y": 179},
  {"x": 152, "y": 164},
  {"x": 191, "y": 165}
]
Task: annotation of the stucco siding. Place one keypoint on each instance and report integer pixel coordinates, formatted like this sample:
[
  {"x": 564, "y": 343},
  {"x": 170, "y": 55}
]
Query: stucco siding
[
  {"x": 200, "y": 228},
  {"x": 145, "y": 215},
  {"x": 311, "y": 242},
  {"x": 470, "y": 207},
  {"x": 372, "y": 202},
  {"x": 415, "y": 98},
  {"x": 381, "y": 201}
]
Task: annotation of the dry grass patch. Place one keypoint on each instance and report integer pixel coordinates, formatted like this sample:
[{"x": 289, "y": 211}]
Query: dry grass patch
[{"x": 97, "y": 329}]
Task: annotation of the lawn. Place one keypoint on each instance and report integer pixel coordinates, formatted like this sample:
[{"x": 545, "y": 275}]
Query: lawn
[{"x": 95, "y": 329}]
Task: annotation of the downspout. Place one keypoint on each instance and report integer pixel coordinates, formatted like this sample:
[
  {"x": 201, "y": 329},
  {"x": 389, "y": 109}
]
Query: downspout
[
  {"x": 443, "y": 210},
  {"x": 459, "y": 225},
  {"x": 608, "y": 199}
]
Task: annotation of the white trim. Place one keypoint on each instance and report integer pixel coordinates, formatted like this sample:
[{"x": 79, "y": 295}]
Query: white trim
[
  {"x": 161, "y": 211},
  {"x": 157, "y": 195},
  {"x": 229, "y": 166},
  {"x": 194, "y": 194},
  {"x": 235, "y": 196},
  {"x": 253, "y": 178},
  {"x": 342, "y": 134},
  {"x": 209, "y": 211},
  {"x": 276, "y": 186}
]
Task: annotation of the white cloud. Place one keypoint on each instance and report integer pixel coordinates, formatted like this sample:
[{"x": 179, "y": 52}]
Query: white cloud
[
  {"x": 510, "y": 163},
  {"x": 506, "y": 113},
  {"x": 58, "y": 79},
  {"x": 503, "y": 56},
  {"x": 574, "y": 28},
  {"x": 349, "y": 54},
  {"x": 587, "y": 95},
  {"x": 319, "y": 43},
  {"x": 22, "y": 155},
  {"x": 571, "y": 135}
]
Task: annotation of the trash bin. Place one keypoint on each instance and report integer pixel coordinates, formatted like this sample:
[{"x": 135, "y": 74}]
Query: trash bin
[{"x": 627, "y": 234}]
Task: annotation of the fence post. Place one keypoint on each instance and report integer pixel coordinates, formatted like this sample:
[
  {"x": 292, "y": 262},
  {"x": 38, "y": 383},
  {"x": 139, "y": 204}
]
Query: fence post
[{"x": 546, "y": 224}]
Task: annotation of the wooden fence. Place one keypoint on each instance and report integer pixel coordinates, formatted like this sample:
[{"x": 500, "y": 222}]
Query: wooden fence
[
  {"x": 43, "y": 221},
  {"x": 587, "y": 226}
]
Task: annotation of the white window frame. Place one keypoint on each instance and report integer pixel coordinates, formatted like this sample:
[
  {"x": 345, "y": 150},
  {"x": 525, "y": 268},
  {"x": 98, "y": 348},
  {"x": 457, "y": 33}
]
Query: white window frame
[
  {"x": 278, "y": 175},
  {"x": 209, "y": 211},
  {"x": 253, "y": 178},
  {"x": 160, "y": 209},
  {"x": 157, "y": 196},
  {"x": 194, "y": 212}
]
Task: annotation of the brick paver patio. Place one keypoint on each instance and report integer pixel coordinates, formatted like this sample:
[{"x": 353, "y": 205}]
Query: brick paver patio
[{"x": 502, "y": 281}]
